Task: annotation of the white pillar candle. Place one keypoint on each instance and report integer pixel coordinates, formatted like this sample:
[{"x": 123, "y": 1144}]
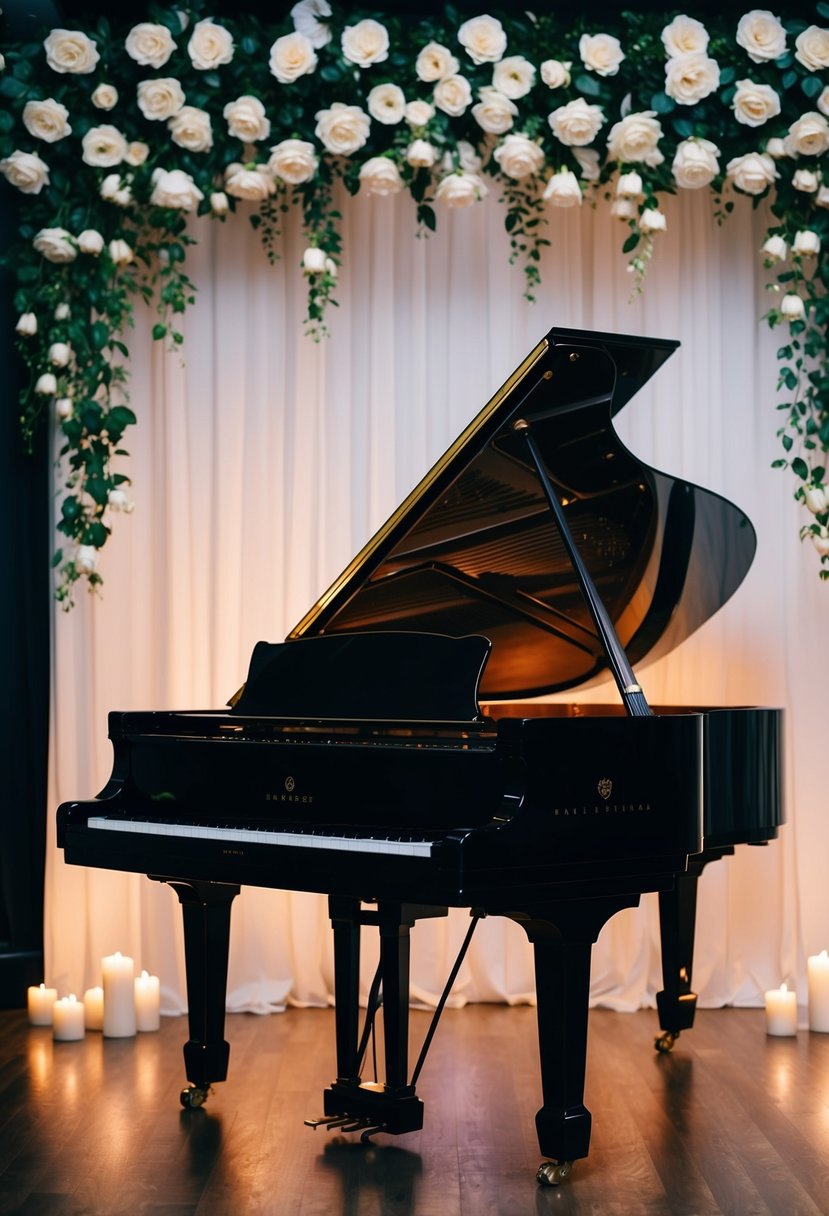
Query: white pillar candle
[
  {"x": 119, "y": 996},
  {"x": 67, "y": 1019},
  {"x": 818, "y": 970},
  {"x": 147, "y": 1002},
  {"x": 781, "y": 1011},
  {"x": 40, "y": 1001},
  {"x": 93, "y": 1005}
]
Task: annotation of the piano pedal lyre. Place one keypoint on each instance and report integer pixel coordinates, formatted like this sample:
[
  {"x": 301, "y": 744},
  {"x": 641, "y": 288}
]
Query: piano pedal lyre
[{"x": 552, "y": 1173}]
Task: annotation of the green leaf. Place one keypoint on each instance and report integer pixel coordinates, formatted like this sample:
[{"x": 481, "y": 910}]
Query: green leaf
[
  {"x": 588, "y": 85},
  {"x": 99, "y": 334},
  {"x": 159, "y": 331},
  {"x": 662, "y": 103},
  {"x": 426, "y": 216},
  {"x": 823, "y": 9},
  {"x": 789, "y": 79},
  {"x": 812, "y": 86},
  {"x": 631, "y": 243},
  {"x": 787, "y": 442},
  {"x": 10, "y": 87},
  {"x": 800, "y": 468},
  {"x": 683, "y": 127}
]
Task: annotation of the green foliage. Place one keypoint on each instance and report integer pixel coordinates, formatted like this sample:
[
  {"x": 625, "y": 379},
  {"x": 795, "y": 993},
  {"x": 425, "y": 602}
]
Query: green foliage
[{"x": 87, "y": 303}]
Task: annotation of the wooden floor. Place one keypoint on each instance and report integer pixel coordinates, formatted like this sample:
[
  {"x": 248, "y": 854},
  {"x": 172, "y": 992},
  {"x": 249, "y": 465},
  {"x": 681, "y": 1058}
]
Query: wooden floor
[{"x": 731, "y": 1122}]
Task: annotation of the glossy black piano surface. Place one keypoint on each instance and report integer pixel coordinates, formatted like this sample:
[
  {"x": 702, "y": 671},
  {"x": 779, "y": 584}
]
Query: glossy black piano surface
[{"x": 378, "y": 755}]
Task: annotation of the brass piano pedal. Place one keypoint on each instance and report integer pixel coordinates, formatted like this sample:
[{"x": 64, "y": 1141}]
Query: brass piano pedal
[
  {"x": 665, "y": 1041},
  {"x": 552, "y": 1173},
  {"x": 329, "y": 1122}
]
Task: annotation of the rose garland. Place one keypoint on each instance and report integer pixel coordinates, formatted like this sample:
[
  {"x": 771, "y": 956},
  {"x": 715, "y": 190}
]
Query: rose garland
[{"x": 208, "y": 113}]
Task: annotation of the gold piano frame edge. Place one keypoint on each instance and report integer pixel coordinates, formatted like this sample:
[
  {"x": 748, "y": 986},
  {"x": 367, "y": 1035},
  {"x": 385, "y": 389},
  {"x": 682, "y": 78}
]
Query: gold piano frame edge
[{"x": 383, "y": 535}]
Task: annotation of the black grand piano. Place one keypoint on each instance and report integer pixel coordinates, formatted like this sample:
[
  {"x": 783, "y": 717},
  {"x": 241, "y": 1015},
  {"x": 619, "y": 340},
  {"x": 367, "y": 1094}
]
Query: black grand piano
[{"x": 381, "y": 754}]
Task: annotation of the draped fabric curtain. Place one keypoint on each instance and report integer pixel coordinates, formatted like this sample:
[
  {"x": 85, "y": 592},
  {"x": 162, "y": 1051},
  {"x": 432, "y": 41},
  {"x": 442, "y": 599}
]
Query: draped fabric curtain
[{"x": 263, "y": 461}]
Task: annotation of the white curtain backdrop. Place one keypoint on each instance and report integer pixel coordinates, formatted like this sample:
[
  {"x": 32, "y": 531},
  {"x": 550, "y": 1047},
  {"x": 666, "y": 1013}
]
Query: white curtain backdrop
[{"x": 263, "y": 461}]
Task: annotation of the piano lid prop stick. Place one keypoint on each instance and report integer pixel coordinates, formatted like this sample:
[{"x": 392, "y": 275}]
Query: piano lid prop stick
[{"x": 629, "y": 689}]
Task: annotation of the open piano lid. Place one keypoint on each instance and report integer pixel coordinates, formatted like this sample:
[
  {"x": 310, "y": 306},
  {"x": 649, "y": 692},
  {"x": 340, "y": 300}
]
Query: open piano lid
[{"x": 474, "y": 548}]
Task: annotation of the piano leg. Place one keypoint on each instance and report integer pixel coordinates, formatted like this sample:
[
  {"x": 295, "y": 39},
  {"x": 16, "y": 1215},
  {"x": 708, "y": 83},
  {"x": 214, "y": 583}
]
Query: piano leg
[
  {"x": 206, "y": 911},
  {"x": 677, "y": 1003},
  {"x": 562, "y": 936}
]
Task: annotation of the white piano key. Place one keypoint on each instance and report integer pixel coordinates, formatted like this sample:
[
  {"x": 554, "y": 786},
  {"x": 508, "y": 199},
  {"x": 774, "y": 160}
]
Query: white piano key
[{"x": 310, "y": 840}]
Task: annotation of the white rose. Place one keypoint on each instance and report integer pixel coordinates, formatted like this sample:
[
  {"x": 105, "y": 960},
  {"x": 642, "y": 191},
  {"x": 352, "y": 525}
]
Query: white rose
[
  {"x": 483, "y": 39},
  {"x": 306, "y": 17},
  {"x": 806, "y": 243},
  {"x": 823, "y": 101},
  {"x": 137, "y": 152},
  {"x": 2, "y": 63},
  {"x": 254, "y": 184},
  {"x": 342, "y": 129},
  {"x": 775, "y": 249},
  {"x": 629, "y": 185},
  {"x": 419, "y": 113},
  {"x": 175, "y": 189},
  {"x": 62, "y": 311},
  {"x": 387, "y": 103},
  {"x": 577, "y": 123},
  {"x": 380, "y": 175},
  {"x": 26, "y": 324},
  {"x": 453, "y": 94},
  {"x": 420, "y": 154},
  {"x": 115, "y": 189},
  {"x": 103, "y": 147},
  {"x": 821, "y": 541},
  {"x": 120, "y": 252},
  {"x": 210, "y": 45},
  {"x": 652, "y": 220},
  {"x": 494, "y": 112},
  {"x": 70, "y": 51},
  {"x": 813, "y": 48},
  {"x": 690, "y": 78},
  {"x": 105, "y": 97},
  {"x": 563, "y": 189},
  {"x": 588, "y": 159},
  {"x": 64, "y": 408},
  {"x": 555, "y": 74},
  {"x": 46, "y": 384},
  {"x": 190, "y": 128},
  {"x": 695, "y": 164},
  {"x": 514, "y": 76},
  {"x": 775, "y": 147},
  {"x": 808, "y": 135},
  {"x": 753, "y": 104},
  {"x": 518, "y": 156},
  {"x": 461, "y": 189},
  {"x": 86, "y": 559},
  {"x": 26, "y": 171},
  {"x": 623, "y": 208},
  {"x": 293, "y": 161},
  {"x": 246, "y": 119},
  {"x": 292, "y": 56},
  {"x": 792, "y": 307},
  {"x": 684, "y": 36},
  {"x": 752, "y": 173},
  {"x": 313, "y": 260},
  {"x": 60, "y": 354},
  {"x": 435, "y": 62},
  {"x": 219, "y": 204},
  {"x": 365, "y": 43},
  {"x": 90, "y": 241},
  {"x": 601, "y": 53},
  {"x": 815, "y": 499},
  {"x": 56, "y": 245},
  {"x": 160, "y": 99},
  {"x": 822, "y": 199},
  {"x": 806, "y": 180},
  {"x": 468, "y": 158},
  {"x": 118, "y": 501},
  {"x": 635, "y": 138},
  {"x": 149, "y": 44},
  {"x": 46, "y": 120},
  {"x": 761, "y": 35}
]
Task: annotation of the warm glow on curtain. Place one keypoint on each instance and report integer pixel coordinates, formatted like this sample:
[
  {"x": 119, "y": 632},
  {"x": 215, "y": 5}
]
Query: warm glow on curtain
[{"x": 262, "y": 462}]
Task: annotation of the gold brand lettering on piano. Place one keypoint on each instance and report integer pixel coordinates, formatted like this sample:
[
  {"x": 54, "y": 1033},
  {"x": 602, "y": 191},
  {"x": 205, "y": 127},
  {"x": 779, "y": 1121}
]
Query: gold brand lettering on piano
[
  {"x": 608, "y": 808},
  {"x": 279, "y": 797}
]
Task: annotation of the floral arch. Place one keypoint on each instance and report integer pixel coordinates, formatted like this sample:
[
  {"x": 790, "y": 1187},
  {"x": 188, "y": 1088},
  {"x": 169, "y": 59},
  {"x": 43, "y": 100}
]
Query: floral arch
[{"x": 114, "y": 137}]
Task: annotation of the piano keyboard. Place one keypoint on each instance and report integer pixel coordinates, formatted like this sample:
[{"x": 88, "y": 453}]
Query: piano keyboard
[{"x": 306, "y": 840}]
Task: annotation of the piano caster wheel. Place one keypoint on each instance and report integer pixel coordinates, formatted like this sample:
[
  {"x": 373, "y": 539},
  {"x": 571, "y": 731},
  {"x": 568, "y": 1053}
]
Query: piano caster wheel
[
  {"x": 665, "y": 1041},
  {"x": 551, "y": 1173},
  {"x": 194, "y": 1096}
]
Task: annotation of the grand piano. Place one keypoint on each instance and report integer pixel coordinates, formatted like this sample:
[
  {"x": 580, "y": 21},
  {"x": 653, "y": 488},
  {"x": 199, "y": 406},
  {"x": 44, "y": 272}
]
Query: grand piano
[{"x": 386, "y": 755}]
